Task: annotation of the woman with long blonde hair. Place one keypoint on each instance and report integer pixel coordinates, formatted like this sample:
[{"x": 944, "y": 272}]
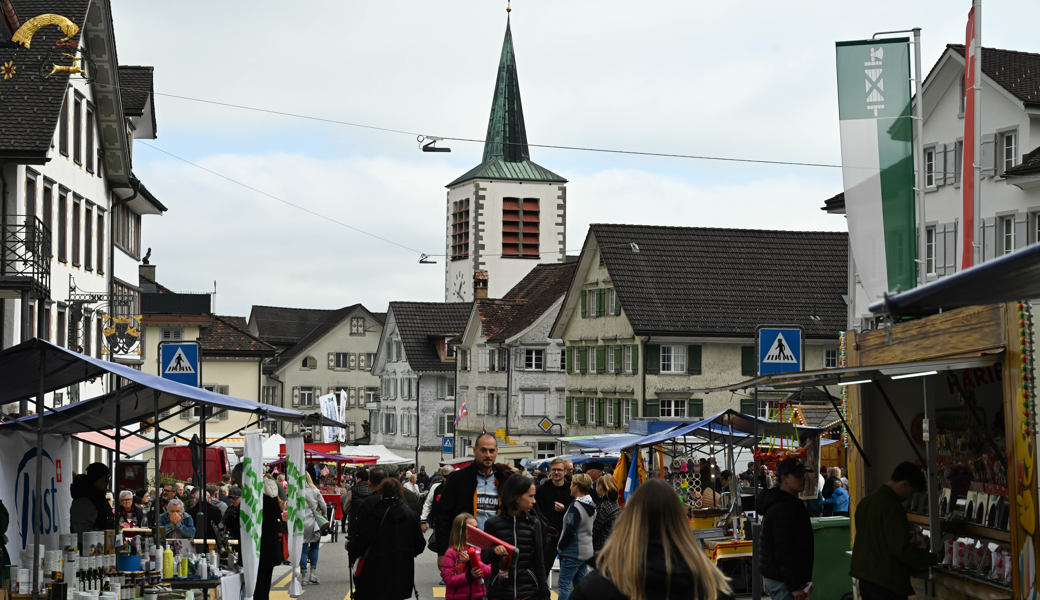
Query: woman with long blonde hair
[{"x": 653, "y": 554}]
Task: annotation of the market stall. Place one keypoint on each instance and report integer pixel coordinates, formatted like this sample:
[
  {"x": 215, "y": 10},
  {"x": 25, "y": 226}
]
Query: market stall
[{"x": 331, "y": 491}]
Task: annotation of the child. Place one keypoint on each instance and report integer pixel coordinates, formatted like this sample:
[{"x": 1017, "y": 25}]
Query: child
[{"x": 463, "y": 582}]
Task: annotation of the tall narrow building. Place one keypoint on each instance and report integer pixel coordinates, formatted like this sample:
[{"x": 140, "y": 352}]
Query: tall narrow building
[{"x": 507, "y": 214}]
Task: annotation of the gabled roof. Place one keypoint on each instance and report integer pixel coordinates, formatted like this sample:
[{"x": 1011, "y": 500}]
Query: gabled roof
[
  {"x": 30, "y": 102},
  {"x": 282, "y": 325},
  {"x": 694, "y": 281},
  {"x": 230, "y": 336},
  {"x": 420, "y": 324},
  {"x": 506, "y": 154},
  {"x": 535, "y": 294},
  {"x": 330, "y": 321},
  {"x": 1016, "y": 72}
]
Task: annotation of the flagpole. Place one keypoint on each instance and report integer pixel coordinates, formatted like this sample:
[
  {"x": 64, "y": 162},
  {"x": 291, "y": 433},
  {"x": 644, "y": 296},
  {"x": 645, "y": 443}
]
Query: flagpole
[
  {"x": 977, "y": 166},
  {"x": 922, "y": 228}
]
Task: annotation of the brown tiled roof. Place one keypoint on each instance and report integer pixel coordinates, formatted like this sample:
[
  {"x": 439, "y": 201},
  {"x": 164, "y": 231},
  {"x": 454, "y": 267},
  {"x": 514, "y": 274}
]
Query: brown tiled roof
[
  {"x": 330, "y": 321},
  {"x": 1016, "y": 72},
  {"x": 230, "y": 336},
  {"x": 1030, "y": 165},
  {"x": 421, "y": 324},
  {"x": 535, "y": 293},
  {"x": 697, "y": 281},
  {"x": 496, "y": 314}
]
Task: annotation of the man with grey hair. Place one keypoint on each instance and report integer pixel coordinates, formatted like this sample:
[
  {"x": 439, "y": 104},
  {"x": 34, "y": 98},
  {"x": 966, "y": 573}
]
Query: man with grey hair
[{"x": 178, "y": 524}]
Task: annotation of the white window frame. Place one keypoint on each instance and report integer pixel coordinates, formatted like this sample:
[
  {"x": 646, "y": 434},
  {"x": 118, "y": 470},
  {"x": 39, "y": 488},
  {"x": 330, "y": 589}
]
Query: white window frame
[
  {"x": 591, "y": 355},
  {"x": 545, "y": 450},
  {"x": 673, "y": 407},
  {"x": 626, "y": 359},
  {"x": 1007, "y": 234},
  {"x": 492, "y": 355},
  {"x": 590, "y": 411},
  {"x": 342, "y": 360},
  {"x": 674, "y": 360},
  {"x": 1009, "y": 150},
  {"x": 830, "y": 358},
  {"x": 534, "y": 359},
  {"x": 590, "y": 300},
  {"x": 611, "y": 362},
  {"x": 307, "y": 391},
  {"x": 929, "y": 167},
  {"x": 608, "y": 405},
  {"x": 445, "y": 424},
  {"x": 626, "y": 411},
  {"x": 611, "y": 303}
]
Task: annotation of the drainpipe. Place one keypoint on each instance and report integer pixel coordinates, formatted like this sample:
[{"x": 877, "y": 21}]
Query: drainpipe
[
  {"x": 509, "y": 386},
  {"x": 642, "y": 375},
  {"x": 418, "y": 437}
]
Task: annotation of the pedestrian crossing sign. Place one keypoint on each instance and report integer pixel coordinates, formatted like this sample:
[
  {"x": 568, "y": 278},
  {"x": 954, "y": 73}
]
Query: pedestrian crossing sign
[
  {"x": 779, "y": 350},
  {"x": 180, "y": 362}
]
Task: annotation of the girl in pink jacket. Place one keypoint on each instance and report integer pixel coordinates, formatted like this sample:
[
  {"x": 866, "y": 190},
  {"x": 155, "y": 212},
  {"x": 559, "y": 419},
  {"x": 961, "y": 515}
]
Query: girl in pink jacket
[{"x": 462, "y": 570}]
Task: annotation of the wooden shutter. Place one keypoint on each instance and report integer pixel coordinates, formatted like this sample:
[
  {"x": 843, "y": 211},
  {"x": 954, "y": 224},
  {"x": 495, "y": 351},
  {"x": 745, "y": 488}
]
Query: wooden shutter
[
  {"x": 583, "y": 365},
  {"x": 617, "y": 304},
  {"x": 352, "y": 361},
  {"x": 361, "y": 395},
  {"x": 352, "y": 395},
  {"x": 601, "y": 359},
  {"x": 581, "y": 410},
  {"x": 989, "y": 238},
  {"x": 584, "y": 304},
  {"x": 617, "y": 413},
  {"x": 653, "y": 359},
  {"x": 988, "y": 160},
  {"x": 748, "y": 364},
  {"x": 296, "y": 395},
  {"x": 693, "y": 359},
  {"x": 601, "y": 302},
  {"x": 362, "y": 361},
  {"x": 635, "y": 358},
  {"x": 1021, "y": 230},
  {"x": 940, "y": 164},
  {"x": 569, "y": 409},
  {"x": 618, "y": 357},
  {"x": 951, "y": 164},
  {"x": 747, "y": 406},
  {"x": 332, "y": 360},
  {"x": 635, "y": 408},
  {"x": 600, "y": 417},
  {"x": 695, "y": 408}
]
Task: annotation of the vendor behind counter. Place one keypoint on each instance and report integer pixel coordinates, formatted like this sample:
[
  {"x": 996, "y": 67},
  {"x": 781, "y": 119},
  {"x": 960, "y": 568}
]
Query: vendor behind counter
[{"x": 90, "y": 510}]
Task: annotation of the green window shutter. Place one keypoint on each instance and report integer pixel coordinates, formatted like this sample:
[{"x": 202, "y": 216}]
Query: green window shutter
[
  {"x": 601, "y": 302},
  {"x": 748, "y": 364},
  {"x": 581, "y": 411},
  {"x": 617, "y": 413},
  {"x": 635, "y": 358},
  {"x": 695, "y": 408},
  {"x": 584, "y": 304},
  {"x": 583, "y": 364},
  {"x": 747, "y": 406},
  {"x": 653, "y": 358},
  {"x": 617, "y": 304},
  {"x": 635, "y": 408},
  {"x": 693, "y": 360},
  {"x": 601, "y": 359},
  {"x": 618, "y": 367},
  {"x": 600, "y": 417},
  {"x": 570, "y": 410},
  {"x": 653, "y": 408}
]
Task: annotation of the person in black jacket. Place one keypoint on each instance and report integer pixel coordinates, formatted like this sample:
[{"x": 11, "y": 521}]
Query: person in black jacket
[
  {"x": 552, "y": 499},
  {"x": 786, "y": 554},
  {"x": 90, "y": 509},
  {"x": 470, "y": 490},
  {"x": 633, "y": 565},
  {"x": 388, "y": 541},
  {"x": 523, "y": 574},
  {"x": 270, "y": 544}
]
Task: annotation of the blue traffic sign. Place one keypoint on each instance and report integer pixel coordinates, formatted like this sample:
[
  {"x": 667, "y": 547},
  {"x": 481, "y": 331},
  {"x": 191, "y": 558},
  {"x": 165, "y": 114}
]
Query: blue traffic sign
[
  {"x": 779, "y": 350},
  {"x": 180, "y": 362},
  {"x": 447, "y": 445}
]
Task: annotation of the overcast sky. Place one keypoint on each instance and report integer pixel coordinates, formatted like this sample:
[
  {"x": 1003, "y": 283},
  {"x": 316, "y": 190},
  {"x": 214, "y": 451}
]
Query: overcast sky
[{"x": 340, "y": 210}]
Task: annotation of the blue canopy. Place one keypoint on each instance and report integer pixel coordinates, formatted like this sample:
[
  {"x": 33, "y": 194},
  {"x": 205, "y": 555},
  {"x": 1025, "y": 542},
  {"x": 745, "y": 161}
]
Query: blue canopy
[
  {"x": 20, "y": 370},
  {"x": 740, "y": 426}
]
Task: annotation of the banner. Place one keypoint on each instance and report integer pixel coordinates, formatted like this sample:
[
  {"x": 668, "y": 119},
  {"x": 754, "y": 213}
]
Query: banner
[
  {"x": 877, "y": 162},
  {"x": 971, "y": 52},
  {"x": 251, "y": 510},
  {"x": 294, "y": 467},
  {"x": 331, "y": 406},
  {"x": 19, "y": 493}
]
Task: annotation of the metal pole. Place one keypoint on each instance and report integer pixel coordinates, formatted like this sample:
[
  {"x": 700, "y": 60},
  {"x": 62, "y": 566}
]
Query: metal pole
[
  {"x": 756, "y": 523},
  {"x": 920, "y": 182},
  {"x": 38, "y": 500}
]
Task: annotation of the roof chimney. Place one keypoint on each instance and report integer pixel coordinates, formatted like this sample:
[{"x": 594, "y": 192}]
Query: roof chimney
[
  {"x": 480, "y": 284},
  {"x": 147, "y": 271}
]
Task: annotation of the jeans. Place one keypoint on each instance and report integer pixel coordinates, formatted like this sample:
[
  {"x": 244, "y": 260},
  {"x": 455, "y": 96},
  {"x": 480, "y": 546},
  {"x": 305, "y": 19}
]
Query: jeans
[
  {"x": 572, "y": 571},
  {"x": 310, "y": 551},
  {"x": 777, "y": 590}
]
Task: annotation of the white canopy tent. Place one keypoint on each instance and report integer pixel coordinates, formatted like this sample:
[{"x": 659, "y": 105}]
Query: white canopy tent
[{"x": 386, "y": 456}]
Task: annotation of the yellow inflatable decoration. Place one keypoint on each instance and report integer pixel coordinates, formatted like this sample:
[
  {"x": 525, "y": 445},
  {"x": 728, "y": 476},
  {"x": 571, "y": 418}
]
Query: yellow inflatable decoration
[{"x": 28, "y": 29}]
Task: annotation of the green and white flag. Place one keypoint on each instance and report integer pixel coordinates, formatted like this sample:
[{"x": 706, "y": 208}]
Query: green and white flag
[
  {"x": 878, "y": 162},
  {"x": 295, "y": 505},
  {"x": 251, "y": 510}
]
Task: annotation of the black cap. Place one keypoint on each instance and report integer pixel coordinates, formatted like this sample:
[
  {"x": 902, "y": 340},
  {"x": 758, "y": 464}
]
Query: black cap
[
  {"x": 234, "y": 493},
  {"x": 792, "y": 466}
]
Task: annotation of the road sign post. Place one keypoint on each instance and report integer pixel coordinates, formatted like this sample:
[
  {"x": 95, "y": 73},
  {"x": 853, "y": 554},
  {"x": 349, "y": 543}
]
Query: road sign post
[
  {"x": 780, "y": 349},
  {"x": 180, "y": 362}
]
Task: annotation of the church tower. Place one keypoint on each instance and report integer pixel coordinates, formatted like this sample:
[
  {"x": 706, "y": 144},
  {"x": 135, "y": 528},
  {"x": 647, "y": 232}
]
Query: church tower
[{"x": 507, "y": 214}]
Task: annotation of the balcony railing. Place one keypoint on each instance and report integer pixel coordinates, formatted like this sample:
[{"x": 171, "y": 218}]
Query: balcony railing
[{"x": 25, "y": 256}]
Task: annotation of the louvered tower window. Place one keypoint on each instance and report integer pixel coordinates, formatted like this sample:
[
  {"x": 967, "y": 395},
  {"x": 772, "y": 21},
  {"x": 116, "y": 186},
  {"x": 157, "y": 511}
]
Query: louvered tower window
[
  {"x": 460, "y": 229},
  {"x": 520, "y": 227}
]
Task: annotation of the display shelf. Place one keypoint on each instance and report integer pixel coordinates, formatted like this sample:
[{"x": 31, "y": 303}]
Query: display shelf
[
  {"x": 964, "y": 528},
  {"x": 968, "y": 583}
]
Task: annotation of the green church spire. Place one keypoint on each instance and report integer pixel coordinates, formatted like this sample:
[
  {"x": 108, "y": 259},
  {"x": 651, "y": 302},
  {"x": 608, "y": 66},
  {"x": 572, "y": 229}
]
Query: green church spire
[{"x": 506, "y": 135}]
